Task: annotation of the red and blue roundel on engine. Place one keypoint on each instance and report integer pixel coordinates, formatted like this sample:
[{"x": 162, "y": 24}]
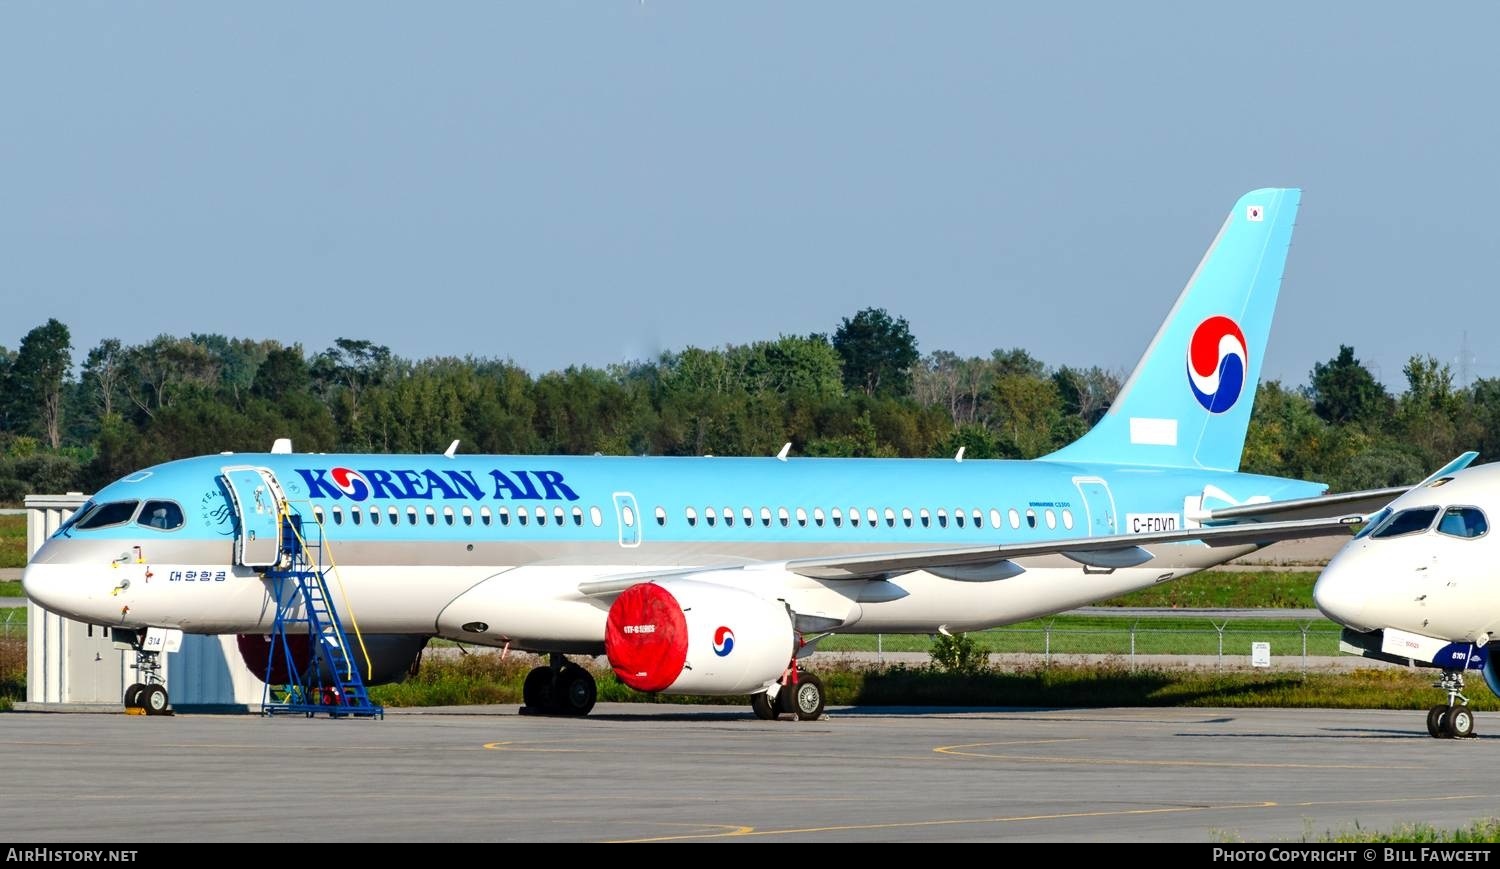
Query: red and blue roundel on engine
[{"x": 1217, "y": 363}]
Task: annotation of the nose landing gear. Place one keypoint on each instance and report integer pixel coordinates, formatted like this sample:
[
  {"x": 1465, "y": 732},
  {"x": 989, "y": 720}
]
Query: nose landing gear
[{"x": 1455, "y": 720}]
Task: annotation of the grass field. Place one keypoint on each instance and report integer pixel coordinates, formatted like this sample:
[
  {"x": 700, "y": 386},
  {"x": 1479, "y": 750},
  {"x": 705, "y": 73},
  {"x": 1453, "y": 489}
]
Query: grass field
[
  {"x": 11, "y": 588},
  {"x": 12, "y": 541},
  {"x": 1225, "y": 589},
  {"x": 484, "y": 678},
  {"x": 1111, "y": 635}
]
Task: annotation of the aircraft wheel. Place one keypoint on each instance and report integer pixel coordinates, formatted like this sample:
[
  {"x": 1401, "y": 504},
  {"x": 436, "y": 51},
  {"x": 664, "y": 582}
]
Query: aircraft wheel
[
  {"x": 766, "y": 708},
  {"x": 133, "y": 696},
  {"x": 1436, "y": 722},
  {"x": 1460, "y": 722},
  {"x": 536, "y": 691},
  {"x": 804, "y": 699},
  {"x": 575, "y": 692},
  {"x": 154, "y": 700}
]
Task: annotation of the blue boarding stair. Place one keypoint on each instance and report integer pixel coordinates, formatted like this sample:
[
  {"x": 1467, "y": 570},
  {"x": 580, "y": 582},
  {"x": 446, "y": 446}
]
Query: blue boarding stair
[{"x": 322, "y": 676}]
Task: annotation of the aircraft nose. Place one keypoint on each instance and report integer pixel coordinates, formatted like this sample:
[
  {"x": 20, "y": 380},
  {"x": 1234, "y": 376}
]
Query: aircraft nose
[{"x": 1341, "y": 595}]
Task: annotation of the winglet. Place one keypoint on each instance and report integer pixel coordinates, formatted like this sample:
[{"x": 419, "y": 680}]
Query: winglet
[
  {"x": 786, "y": 450},
  {"x": 452, "y": 450}
]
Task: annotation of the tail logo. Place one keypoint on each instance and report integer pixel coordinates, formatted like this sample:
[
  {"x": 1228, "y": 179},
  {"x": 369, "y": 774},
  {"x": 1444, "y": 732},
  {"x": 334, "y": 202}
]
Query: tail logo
[
  {"x": 723, "y": 641},
  {"x": 351, "y": 483},
  {"x": 1217, "y": 363}
]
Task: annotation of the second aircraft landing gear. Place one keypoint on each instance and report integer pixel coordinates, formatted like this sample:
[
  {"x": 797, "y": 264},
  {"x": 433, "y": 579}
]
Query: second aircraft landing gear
[
  {"x": 1455, "y": 720},
  {"x": 562, "y": 688}
]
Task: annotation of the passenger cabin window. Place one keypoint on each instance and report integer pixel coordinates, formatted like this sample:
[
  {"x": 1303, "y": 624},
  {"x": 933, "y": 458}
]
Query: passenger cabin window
[
  {"x": 411, "y": 515},
  {"x": 1051, "y": 519},
  {"x": 338, "y": 515},
  {"x": 783, "y": 517},
  {"x": 161, "y": 515},
  {"x": 1015, "y": 518},
  {"x": 1030, "y": 518},
  {"x": 504, "y": 514},
  {"x": 1411, "y": 521},
  {"x": 906, "y": 516},
  {"x": 926, "y": 518},
  {"x": 596, "y": 516},
  {"x": 541, "y": 515},
  {"x": 819, "y": 516},
  {"x": 431, "y": 516},
  {"x": 318, "y": 515},
  {"x": 661, "y": 516},
  {"x": 749, "y": 516},
  {"x": 522, "y": 517},
  {"x": 802, "y": 516},
  {"x": 995, "y": 518},
  {"x": 729, "y": 516},
  {"x": 448, "y": 515},
  {"x": 484, "y": 516},
  {"x": 396, "y": 516},
  {"x": 765, "y": 516},
  {"x": 871, "y": 516},
  {"x": 838, "y": 518},
  {"x": 958, "y": 516},
  {"x": 374, "y": 515},
  {"x": 105, "y": 515},
  {"x": 854, "y": 517},
  {"x": 1456, "y": 522},
  {"x": 578, "y": 516},
  {"x": 978, "y": 519},
  {"x": 692, "y": 516},
  {"x": 1067, "y": 520},
  {"x": 468, "y": 516},
  {"x": 356, "y": 515},
  {"x": 943, "y": 518},
  {"x": 710, "y": 516}
]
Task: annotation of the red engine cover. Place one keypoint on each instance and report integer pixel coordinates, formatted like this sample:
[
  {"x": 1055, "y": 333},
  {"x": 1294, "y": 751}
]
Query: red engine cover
[
  {"x": 255, "y": 650},
  {"x": 646, "y": 637}
]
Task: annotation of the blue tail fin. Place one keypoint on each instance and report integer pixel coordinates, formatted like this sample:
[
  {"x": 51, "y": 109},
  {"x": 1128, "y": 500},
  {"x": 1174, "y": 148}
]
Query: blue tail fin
[{"x": 1187, "y": 404}]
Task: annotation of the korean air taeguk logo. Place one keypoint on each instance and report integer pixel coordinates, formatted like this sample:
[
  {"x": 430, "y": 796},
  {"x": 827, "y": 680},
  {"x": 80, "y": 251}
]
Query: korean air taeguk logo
[
  {"x": 723, "y": 641},
  {"x": 1217, "y": 363},
  {"x": 351, "y": 483}
]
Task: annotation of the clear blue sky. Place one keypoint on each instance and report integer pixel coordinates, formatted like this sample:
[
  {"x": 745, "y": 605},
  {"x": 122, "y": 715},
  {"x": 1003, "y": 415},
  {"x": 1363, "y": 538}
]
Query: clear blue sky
[{"x": 589, "y": 182}]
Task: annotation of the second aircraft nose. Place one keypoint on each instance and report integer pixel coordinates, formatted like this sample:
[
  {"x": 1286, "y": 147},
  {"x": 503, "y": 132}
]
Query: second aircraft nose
[{"x": 1338, "y": 593}]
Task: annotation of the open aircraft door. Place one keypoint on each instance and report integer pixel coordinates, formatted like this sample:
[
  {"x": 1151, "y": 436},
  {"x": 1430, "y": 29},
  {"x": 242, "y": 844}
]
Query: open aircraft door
[{"x": 258, "y": 503}]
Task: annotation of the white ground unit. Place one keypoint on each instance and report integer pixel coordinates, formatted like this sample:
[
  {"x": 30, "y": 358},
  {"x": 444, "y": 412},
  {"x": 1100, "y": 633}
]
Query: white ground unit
[{"x": 70, "y": 662}]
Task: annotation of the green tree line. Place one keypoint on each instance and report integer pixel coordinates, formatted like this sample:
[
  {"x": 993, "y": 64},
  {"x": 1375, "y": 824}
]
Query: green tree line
[{"x": 864, "y": 390}]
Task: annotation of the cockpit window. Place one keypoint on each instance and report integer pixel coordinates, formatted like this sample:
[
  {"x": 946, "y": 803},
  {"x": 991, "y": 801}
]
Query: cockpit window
[
  {"x": 104, "y": 515},
  {"x": 1375, "y": 522},
  {"x": 1407, "y": 522},
  {"x": 161, "y": 515},
  {"x": 1463, "y": 522}
]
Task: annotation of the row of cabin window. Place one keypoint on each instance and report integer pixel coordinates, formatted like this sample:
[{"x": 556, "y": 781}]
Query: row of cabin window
[
  {"x": 464, "y": 515},
  {"x": 711, "y": 517},
  {"x": 871, "y": 517}
]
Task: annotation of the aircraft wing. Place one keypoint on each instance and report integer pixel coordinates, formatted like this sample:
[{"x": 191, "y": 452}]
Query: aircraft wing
[
  {"x": 1366, "y": 502},
  {"x": 986, "y": 563},
  {"x": 1116, "y": 550}
]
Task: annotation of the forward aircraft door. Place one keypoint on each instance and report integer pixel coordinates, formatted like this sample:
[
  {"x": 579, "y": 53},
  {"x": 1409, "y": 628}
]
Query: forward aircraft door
[
  {"x": 629, "y": 518},
  {"x": 1100, "y": 504},
  {"x": 258, "y": 503}
]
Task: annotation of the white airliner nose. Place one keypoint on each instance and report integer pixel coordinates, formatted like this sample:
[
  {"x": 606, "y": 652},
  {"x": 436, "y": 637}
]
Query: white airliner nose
[{"x": 1340, "y": 593}]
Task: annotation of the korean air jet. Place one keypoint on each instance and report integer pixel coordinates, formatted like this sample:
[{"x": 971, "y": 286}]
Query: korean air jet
[
  {"x": 713, "y": 575},
  {"x": 1417, "y": 586}
]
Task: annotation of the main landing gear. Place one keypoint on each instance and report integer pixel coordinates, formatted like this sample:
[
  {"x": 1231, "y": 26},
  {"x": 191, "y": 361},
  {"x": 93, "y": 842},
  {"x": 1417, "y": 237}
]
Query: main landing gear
[
  {"x": 561, "y": 688},
  {"x": 1455, "y": 720},
  {"x": 800, "y": 694}
]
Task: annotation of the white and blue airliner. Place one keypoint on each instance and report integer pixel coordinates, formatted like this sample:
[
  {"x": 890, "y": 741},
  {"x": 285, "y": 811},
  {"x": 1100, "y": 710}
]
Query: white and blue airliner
[{"x": 717, "y": 575}]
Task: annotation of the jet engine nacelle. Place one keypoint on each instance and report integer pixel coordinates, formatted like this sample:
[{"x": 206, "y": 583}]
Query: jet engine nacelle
[
  {"x": 391, "y": 656},
  {"x": 689, "y": 637}
]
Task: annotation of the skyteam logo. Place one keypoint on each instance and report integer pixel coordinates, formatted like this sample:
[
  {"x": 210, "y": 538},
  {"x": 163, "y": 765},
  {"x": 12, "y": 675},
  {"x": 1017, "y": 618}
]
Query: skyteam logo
[
  {"x": 1217, "y": 363},
  {"x": 351, "y": 483},
  {"x": 723, "y": 641}
]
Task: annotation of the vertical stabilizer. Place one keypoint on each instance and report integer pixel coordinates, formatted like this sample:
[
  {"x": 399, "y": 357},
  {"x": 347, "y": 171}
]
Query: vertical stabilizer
[{"x": 1187, "y": 404}]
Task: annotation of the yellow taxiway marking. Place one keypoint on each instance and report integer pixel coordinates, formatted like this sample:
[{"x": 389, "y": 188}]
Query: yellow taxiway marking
[
  {"x": 509, "y": 746},
  {"x": 745, "y": 831},
  {"x": 958, "y": 751},
  {"x": 751, "y": 831}
]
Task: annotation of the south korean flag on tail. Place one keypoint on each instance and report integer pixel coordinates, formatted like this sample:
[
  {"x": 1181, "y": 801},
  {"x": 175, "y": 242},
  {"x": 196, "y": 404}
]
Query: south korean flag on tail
[{"x": 1255, "y": 214}]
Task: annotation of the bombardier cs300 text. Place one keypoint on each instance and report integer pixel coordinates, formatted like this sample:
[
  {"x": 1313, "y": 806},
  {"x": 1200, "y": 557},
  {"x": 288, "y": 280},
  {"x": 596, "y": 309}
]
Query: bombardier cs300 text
[{"x": 717, "y": 575}]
